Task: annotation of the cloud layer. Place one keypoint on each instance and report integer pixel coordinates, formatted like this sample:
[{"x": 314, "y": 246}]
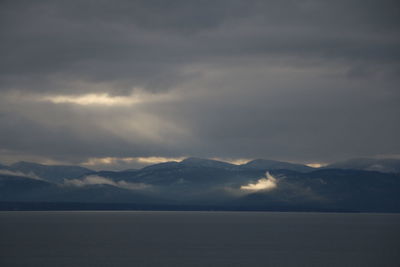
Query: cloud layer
[
  {"x": 263, "y": 184},
  {"x": 306, "y": 81},
  {"x": 17, "y": 173},
  {"x": 99, "y": 180}
]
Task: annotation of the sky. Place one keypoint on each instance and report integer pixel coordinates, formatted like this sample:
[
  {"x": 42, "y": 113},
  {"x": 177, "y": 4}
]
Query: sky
[{"x": 112, "y": 84}]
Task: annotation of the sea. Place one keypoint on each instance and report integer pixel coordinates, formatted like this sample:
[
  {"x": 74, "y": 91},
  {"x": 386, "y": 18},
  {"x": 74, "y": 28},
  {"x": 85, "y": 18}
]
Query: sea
[{"x": 170, "y": 238}]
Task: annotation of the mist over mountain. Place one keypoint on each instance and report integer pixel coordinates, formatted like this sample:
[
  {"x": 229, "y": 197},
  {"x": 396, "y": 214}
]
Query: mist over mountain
[
  {"x": 381, "y": 165},
  {"x": 52, "y": 173},
  {"x": 263, "y": 164},
  {"x": 196, "y": 183}
]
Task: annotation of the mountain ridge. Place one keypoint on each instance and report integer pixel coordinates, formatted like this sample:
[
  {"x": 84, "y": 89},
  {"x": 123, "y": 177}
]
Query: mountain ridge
[
  {"x": 54, "y": 173},
  {"x": 388, "y": 165},
  {"x": 197, "y": 183}
]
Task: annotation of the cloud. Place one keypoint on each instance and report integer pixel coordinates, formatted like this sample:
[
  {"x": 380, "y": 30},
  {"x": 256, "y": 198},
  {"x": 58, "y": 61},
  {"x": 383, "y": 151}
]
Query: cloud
[
  {"x": 92, "y": 99},
  {"x": 119, "y": 163},
  {"x": 263, "y": 184},
  {"x": 138, "y": 96},
  {"x": 316, "y": 165},
  {"x": 226, "y": 79},
  {"x": 99, "y": 180},
  {"x": 17, "y": 173}
]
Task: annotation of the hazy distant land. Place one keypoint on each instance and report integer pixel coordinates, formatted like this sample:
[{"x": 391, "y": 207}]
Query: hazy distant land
[{"x": 362, "y": 185}]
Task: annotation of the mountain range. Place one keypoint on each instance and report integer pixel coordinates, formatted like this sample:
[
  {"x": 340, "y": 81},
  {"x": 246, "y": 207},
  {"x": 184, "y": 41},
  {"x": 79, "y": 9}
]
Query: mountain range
[
  {"x": 360, "y": 185},
  {"x": 366, "y": 164}
]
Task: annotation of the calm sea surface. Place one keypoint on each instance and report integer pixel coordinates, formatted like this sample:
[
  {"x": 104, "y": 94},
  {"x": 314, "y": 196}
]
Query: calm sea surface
[{"x": 135, "y": 238}]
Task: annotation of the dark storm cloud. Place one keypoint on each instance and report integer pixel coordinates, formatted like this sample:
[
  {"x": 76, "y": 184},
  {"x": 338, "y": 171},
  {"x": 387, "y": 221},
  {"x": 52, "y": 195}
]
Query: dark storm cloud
[
  {"x": 294, "y": 80},
  {"x": 147, "y": 43}
]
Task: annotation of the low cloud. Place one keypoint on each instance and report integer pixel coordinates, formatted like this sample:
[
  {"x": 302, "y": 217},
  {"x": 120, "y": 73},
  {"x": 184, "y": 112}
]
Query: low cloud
[
  {"x": 99, "y": 180},
  {"x": 263, "y": 184},
  {"x": 17, "y": 173},
  {"x": 119, "y": 163},
  {"x": 316, "y": 165}
]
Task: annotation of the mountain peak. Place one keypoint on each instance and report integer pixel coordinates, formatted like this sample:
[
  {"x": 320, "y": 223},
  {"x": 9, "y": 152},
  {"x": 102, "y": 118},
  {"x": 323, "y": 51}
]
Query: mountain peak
[
  {"x": 50, "y": 172},
  {"x": 261, "y": 161},
  {"x": 200, "y": 162},
  {"x": 24, "y": 164},
  {"x": 267, "y": 164},
  {"x": 196, "y": 160}
]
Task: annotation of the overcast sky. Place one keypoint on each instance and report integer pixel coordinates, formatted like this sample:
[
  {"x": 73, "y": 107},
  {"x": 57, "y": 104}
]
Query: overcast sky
[{"x": 122, "y": 82}]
